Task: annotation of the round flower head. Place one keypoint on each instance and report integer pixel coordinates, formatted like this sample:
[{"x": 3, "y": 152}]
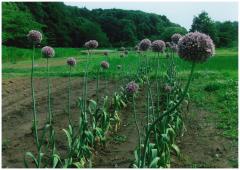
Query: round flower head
[
  {"x": 196, "y": 47},
  {"x": 158, "y": 46},
  {"x": 71, "y": 61},
  {"x": 34, "y": 36},
  {"x": 48, "y": 52},
  {"x": 144, "y": 44},
  {"x": 105, "y": 53},
  {"x": 132, "y": 87},
  {"x": 175, "y": 38},
  {"x": 91, "y": 44},
  {"x": 104, "y": 64}
]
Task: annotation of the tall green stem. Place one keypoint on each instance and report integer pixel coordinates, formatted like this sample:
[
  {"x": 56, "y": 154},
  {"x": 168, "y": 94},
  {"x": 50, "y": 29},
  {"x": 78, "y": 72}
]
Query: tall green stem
[
  {"x": 138, "y": 130},
  {"x": 97, "y": 88},
  {"x": 69, "y": 95},
  {"x": 49, "y": 97},
  {"x": 34, "y": 102},
  {"x": 165, "y": 114}
]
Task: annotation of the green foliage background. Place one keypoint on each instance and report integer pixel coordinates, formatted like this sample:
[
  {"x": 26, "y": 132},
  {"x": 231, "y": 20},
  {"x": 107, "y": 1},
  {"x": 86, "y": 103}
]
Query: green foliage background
[{"x": 67, "y": 26}]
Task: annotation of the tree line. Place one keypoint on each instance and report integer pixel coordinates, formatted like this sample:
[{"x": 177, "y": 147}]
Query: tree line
[{"x": 67, "y": 26}]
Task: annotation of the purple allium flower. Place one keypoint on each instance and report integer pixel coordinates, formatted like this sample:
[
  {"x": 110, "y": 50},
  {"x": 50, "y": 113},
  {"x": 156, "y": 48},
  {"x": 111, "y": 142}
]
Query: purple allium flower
[
  {"x": 34, "y": 36},
  {"x": 119, "y": 66},
  {"x": 132, "y": 87},
  {"x": 91, "y": 44},
  {"x": 175, "y": 38},
  {"x": 104, "y": 64},
  {"x": 144, "y": 44},
  {"x": 158, "y": 46},
  {"x": 71, "y": 61},
  {"x": 126, "y": 52},
  {"x": 196, "y": 47},
  {"x": 167, "y": 88},
  {"x": 105, "y": 53},
  {"x": 48, "y": 52}
]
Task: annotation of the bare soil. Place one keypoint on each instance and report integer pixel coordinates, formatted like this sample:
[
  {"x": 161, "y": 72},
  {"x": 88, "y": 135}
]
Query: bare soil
[{"x": 201, "y": 146}]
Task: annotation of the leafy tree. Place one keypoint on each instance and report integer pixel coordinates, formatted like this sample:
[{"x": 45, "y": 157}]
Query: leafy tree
[
  {"x": 67, "y": 26},
  {"x": 203, "y": 23},
  {"x": 16, "y": 25},
  {"x": 168, "y": 32},
  {"x": 227, "y": 33}
]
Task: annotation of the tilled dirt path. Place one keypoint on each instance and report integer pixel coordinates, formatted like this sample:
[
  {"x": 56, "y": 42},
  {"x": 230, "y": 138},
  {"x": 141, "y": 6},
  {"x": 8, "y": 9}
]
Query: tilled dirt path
[
  {"x": 17, "y": 112},
  {"x": 201, "y": 145}
]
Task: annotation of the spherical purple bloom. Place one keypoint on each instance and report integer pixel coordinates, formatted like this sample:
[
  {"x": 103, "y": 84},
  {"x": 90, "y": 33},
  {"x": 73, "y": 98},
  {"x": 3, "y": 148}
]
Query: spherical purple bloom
[
  {"x": 104, "y": 64},
  {"x": 71, "y": 61},
  {"x": 48, "y": 52},
  {"x": 175, "y": 38},
  {"x": 105, "y": 53},
  {"x": 91, "y": 44},
  {"x": 132, "y": 87},
  {"x": 196, "y": 47},
  {"x": 144, "y": 44},
  {"x": 34, "y": 36},
  {"x": 158, "y": 46}
]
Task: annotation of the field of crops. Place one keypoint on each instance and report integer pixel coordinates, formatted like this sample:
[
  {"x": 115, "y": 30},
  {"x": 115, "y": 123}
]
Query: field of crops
[{"x": 118, "y": 108}]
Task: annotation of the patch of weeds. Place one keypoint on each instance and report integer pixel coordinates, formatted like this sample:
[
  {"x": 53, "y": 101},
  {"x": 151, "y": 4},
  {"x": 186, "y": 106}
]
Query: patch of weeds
[
  {"x": 212, "y": 86},
  {"x": 234, "y": 163},
  {"x": 119, "y": 138},
  {"x": 200, "y": 165},
  {"x": 5, "y": 144}
]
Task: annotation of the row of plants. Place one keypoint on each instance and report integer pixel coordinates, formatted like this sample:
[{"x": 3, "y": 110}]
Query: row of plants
[
  {"x": 97, "y": 117},
  {"x": 164, "y": 121}
]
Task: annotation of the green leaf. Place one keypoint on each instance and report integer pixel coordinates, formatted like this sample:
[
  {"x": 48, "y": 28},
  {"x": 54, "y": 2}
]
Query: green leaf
[
  {"x": 176, "y": 149},
  {"x": 78, "y": 165},
  {"x": 29, "y": 154},
  {"x": 154, "y": 163},
  {"x": 154, "y": 153},
  {"x": 135, "y": 166},
  {"x": 69, "y": 138},
  {"x": 56, "y": 159}
]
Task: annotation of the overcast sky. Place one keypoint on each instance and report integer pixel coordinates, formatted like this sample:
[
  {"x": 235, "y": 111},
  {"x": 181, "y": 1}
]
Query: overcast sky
[{"x": 178, "y": 12}]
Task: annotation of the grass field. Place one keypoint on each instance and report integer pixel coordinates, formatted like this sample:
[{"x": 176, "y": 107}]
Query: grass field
[{"x": 214, "y": 87}]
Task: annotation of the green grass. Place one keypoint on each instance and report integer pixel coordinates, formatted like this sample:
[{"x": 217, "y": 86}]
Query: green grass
[{"x": 214, "y": 86}]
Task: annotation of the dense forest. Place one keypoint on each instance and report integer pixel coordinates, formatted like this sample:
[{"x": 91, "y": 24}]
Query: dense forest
[{"x": 67, "y": 26}]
